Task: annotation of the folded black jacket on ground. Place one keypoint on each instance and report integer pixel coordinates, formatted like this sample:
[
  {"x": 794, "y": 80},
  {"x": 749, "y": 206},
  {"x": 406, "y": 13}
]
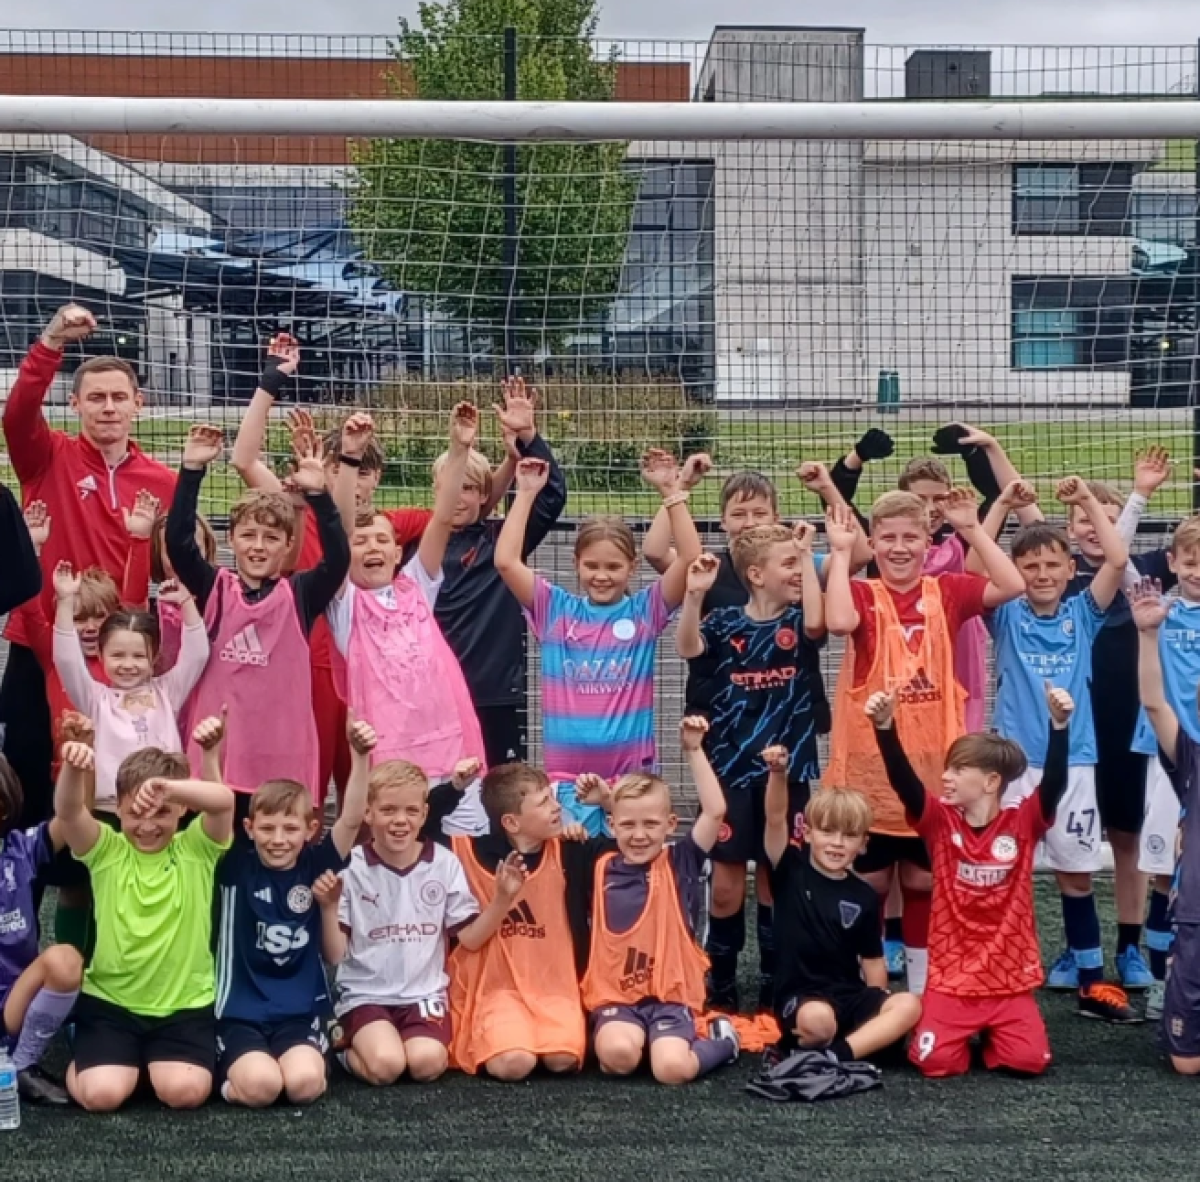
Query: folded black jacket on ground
[{"x": 809, "y": 1076}]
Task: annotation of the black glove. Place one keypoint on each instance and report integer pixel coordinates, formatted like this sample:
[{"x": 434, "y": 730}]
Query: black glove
[
  {"x": 947, "y": 441},
  {"x": 874, "y": 445},
  {"x": 274, "y": 381}
]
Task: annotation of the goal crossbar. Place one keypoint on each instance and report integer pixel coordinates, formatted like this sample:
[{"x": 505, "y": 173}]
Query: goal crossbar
[{"x": 592, "y": 122}]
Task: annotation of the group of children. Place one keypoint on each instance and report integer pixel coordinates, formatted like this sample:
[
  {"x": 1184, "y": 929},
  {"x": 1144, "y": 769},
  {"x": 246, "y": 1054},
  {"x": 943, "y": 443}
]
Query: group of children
[{"x": 471, "y": 910}]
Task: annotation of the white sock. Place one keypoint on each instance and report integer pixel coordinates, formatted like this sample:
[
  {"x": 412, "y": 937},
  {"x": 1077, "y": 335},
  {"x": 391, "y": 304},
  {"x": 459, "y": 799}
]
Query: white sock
[
  {"x": 916, "y": 964},
  {"x": 225, "y": 1090}
]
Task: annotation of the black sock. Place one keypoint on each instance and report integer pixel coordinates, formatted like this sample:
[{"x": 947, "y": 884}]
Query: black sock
[
  {"x": 765, "y": 927},
  {"x": 1159, "y": 936},
  {"x": 840, "y": 1049},
  {"x": 726, "y": 939},
  {"x": 893, "y": 929},
  {"x": 1129, "y": 935}
]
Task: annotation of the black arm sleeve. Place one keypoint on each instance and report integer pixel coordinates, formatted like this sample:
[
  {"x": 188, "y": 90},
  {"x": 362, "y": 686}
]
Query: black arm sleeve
[
  {"x": 579, "y": 869},
  {"x": 846, "y": 482},
  {"x": 905, "y": 782},
  {"x": 443, "y": 799},
  {"x": 20, "y": 574},
  {"x": 191, "y": 567},
  {"x": 982, "y": 478},
  {"x": 1054, "y": 774},
  {"x": 314, "y": 589},
  {"x": 551, "y": 501}
]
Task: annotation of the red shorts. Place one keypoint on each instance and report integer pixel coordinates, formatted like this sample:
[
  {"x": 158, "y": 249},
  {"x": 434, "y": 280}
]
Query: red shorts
[
  {"x": 1012, "y": 1030},
  {"x": 422, "y": 1019},
  {"x": 333, "y": 750}
]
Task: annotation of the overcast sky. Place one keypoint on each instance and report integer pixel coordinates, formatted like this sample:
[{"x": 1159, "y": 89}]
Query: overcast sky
[{"x": 1029, "y": 22}]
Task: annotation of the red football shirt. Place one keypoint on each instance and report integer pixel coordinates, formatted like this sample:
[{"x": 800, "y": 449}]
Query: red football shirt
[
  {"x": 982, "y": 932},
  {"x": 962, "y": 599}
]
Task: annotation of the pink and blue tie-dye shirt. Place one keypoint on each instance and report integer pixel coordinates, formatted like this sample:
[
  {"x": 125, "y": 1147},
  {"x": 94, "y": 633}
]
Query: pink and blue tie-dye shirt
[{"x": 597, "y": 680}]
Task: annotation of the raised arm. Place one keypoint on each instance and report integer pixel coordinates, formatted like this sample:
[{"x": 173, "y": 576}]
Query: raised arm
[
  {"x": 213, "y": 800},
  {"x": 777, "y": 834},
  {"x": 1019, "y": 497},
  {"x": 69, "y": 661},
  {"x": 1149, "y": 610},
  {"x": 841, "y": 616},
  {"x": 354, "y": 805},
  {"x": 79, "y": 828},
  {"x": 283, "y": 360},
  {"x": 812, "y": 599},
  {"x": 1151, "y": 471},
  {"x": 510, "y": 545},
  {"x": 706, "y": 829},
  {"x": 1054, "y": 770},
  {"x": 510, "y": 877},
  {"x": 657, "y": 548},
  {"x": 335, "y": 940},
  {"x": 315, "y": 589},
  {"x": 193, "y": 570},
  {"x": 357, "y": 433},
  {"x": 1004, "y": 580},
  {"x": 179, "y": 681},
  {"x": 701, "y": 575},
  {"x": 209, "y": 736},
  {"x": 906, "y": 784},
  {"x": 464, "y": 426},
  {"x": 660, "y": 471},
  {"x": 1108, "y": 579}
]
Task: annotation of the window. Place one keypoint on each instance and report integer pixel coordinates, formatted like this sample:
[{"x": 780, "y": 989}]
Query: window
[
  {"x": 1092, "y": 200},
  {"x": 1070, "y": 323},
  {"x": 1165, "y": 217}
]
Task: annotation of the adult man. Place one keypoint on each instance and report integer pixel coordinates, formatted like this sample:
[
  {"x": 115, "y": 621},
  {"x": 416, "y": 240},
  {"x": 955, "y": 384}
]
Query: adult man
[{"x": 88, "y": 482}]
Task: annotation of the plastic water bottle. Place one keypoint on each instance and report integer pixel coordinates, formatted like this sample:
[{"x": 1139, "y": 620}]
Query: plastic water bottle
[{"x": 10, "y": 1102}]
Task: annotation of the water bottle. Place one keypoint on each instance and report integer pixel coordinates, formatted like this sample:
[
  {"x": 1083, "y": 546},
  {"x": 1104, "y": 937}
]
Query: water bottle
[{"x": 10, "y": 1102}]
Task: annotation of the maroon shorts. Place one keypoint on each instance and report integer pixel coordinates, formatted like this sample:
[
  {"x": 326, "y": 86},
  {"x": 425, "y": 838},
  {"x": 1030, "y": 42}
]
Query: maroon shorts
[
  {"x": 1012, "y": 1030},
  {"x": 658, "y": 1019},
  {"x": 422, "y": 1019}
]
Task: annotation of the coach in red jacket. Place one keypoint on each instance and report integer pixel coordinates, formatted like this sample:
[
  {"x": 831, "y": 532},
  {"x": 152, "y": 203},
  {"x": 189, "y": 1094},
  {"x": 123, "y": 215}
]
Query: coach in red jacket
[{"x": 87, "y": 481}]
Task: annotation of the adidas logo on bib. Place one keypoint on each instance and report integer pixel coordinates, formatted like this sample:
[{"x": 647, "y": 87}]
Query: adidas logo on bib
[{"x": 244, "y": 648}]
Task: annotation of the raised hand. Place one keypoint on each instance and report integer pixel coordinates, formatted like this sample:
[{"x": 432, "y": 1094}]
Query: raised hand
[
  {"x": 692, "y": 729},
  {"x": 464, "y": 425},
  {"x": 357, "y": 432},
  {"x": 660, "y": 471},
  {"x": 1151, "y": 470},
  {"x": 466, "y": 772},
  {"x": 881, "y": 709},
  {"x": 302, "y": 429},
  {"x": 776, "y": 758},
  {"x": 591, "y": 789},
  {"x": 695, "y": 469},
  {"x": 209, "y": 733},
  {"x": 841, "y": 528},
  {"x": 139, "y": 521},
  {"x": 202, "y": 446},
  {"x": 149, "y": 798},
  {"x": 1147, "y": 604},
  {"x": 173, "y": 591},
  {"x": 1020, "y": 494},
  {"x": 79, "y": 756},
  {"x": 37, "y": 521},
  {"x": 1072, "y": 491},
  {"x": 574, "y": 831},
  {"x": 876, "y": 444},
  {"x": 77, "y": 728},
  {"x": 510, "y": 877},
  {"x": 532, "y": 474},
  {"x": 516, "y": 413},
  {"x": 327, "y": 890},
  {"x": 66, "y": 581},
  {"x": 804, "y": 533},
  {"x": 308, "y": 474},
  {"x": 1061, "y": 705},
  {"x": 814, "y": 476},
  {"x": 702, "y": 574},
  {"x": 69, "y": 323},
  {"x": 975, "y": 437},
  {"x": 361, "y": 736},
  {"x": 286, "y": 350},
  {"x": 961, "y": 509}
]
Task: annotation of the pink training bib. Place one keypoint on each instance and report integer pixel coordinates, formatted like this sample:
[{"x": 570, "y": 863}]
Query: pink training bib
[
  {"x": 403, "y": 678},
  {"x": 970, "y": 645},
  {"x": 259, "y": 668}
]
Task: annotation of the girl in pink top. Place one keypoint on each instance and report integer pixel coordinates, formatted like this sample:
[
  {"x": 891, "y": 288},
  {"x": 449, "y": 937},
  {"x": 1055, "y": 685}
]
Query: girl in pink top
[
  {"x": 399, "y": 670},
  {"x": 136, "y": 709}
]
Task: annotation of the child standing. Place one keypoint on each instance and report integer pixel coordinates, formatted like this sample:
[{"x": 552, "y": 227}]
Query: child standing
[
  {"x": 766, "y": 690},
  {"x": 386, "y": 924},
  {"x": 1046, "y": 639},
  {"x": 644, "y": 984},
  {"x": 598, "y": 649},
  {"x": 258, "y": 622},
  {"x": 400, "y": 671},
  {"x": 903, "y": 627},
  {"x": 132, "y": 709},
  {"x": 984, "y": 963},
  {"x": 271, "y": 994},
  {"x": 148, "y": 993}
]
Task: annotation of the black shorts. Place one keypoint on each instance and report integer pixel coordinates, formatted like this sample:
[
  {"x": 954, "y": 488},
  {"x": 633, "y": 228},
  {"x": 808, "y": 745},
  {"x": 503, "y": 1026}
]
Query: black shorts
[
  {"x": 853, "y": 1006},
  {"x": 505, "y": 733},
  {"x": 1121, "y": 790},
  {"x": 235, "y": 1039},
  {"x": 740, "y": 839},
  {"x": 885, "y": 851},
  {"x": 109, "y": 1036},
  {"x": 1180, "y": 1031},
  {"x": 28, "y": 740}
]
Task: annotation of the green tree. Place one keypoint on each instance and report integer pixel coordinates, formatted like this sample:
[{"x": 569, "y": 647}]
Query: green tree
[{"x": 430, "y": 213}]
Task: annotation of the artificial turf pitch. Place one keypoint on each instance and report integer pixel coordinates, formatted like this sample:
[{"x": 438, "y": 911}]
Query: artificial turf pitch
[{"x": 1108, "y": 1109}]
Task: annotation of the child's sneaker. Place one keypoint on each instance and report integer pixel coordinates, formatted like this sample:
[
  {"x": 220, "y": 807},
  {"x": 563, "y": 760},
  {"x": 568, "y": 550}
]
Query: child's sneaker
[
  {"x": 722, "y": 1027},
  {"x": 893, "y": 954},
  {"x": 1064, "y": 973},
  {"x": 1133, "y": 970},
  {"x": 1155, "y": 997},
  {"x": 1109, "y": 1003}
]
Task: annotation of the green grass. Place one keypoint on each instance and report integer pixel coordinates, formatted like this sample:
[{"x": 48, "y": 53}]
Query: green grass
[{"x": 1108, "y": 1110}]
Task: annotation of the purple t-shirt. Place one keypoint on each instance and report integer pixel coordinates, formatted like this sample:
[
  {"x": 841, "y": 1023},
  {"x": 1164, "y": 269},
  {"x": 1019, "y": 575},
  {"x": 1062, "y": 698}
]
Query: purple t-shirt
[
  {"x": 627, "y": 887},
  {"x": 23, "y": 853}
]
